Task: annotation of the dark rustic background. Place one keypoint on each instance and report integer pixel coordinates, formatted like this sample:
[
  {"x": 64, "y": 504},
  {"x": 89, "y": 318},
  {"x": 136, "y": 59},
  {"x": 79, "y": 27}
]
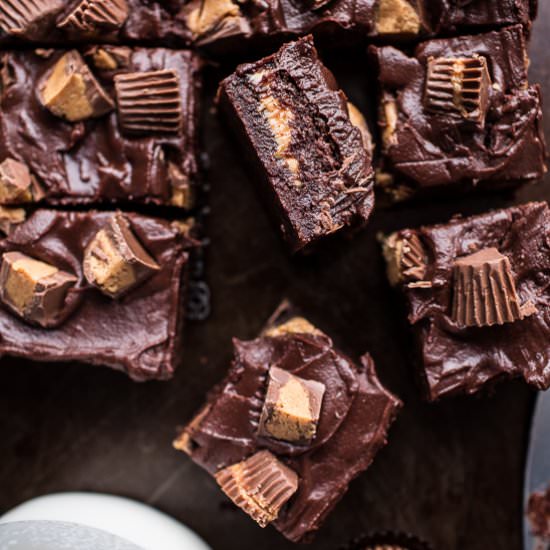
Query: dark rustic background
[{"x": 452, "y": 472}]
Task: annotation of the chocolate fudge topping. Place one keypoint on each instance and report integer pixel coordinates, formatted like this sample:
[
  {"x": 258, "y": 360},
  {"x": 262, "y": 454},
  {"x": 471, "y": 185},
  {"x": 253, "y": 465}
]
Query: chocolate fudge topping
[
  {"x": 94, "y": 159},
  {"x": 461, "y": 357},
  {"x": 500, "y": 143},
  {"x": 294, "y": 122},
  {"x": 84, "y": 21},
  {"x": 355, "y": 415},
  {"x": 137, "y": 333}
]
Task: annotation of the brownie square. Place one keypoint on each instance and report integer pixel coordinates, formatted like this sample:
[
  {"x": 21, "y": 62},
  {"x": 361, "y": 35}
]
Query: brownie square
[
  {"x": 476, "y": 290},
  {"x": 310, "y": 158},
  {"x": 60, "y": 22},
  {"x": 108, "y": 124},
  {"x": 257, "y": 425},
  {"x": 103, "y": 288},
  {"x": 459, "y": 114}
]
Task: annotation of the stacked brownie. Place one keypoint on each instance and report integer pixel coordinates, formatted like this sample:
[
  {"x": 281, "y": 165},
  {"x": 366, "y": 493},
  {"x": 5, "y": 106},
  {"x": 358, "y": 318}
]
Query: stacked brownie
[{"x": 110, "y": 126}]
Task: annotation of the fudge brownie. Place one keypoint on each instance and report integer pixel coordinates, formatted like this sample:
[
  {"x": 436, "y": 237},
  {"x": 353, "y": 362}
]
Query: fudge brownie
[
  {"x": 292, "y": 424},
  {"x": 311, "y": 160},
  {"x": 108, "y": 124},
  {"x": 60, "y": 22},
  {"x": 476, "y": 290},
  {"x": 103, "y": 288},
  {"x": 457, "y": 115}
]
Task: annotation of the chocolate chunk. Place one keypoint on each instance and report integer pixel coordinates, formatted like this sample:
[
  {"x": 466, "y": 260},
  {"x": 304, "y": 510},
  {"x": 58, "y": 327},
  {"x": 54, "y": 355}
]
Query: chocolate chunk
[
  {"x": 15, "y": 182},
  {"x": 115, "y": 261},
  {"x": 22, "y": 17},
  {"x": 405, "y": 258},
  {"x": 458, "y": 86},
  {"x": 260, "y": 485},
  {"x": 70, "y": 91},
  {"x": 485, "y": 292},
  {"x": 34, "y": 290},
  {"x": 10, "y": 217},
  {"x": 149, "y": 101},
  {"x": 396, "y": 17},
  {"x": 96, "y": 15},
  {"x": 291, "y": 407}
]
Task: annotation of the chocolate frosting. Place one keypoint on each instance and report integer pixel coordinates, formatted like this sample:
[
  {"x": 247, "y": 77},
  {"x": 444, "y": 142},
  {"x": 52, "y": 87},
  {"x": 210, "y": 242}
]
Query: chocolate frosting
[
  {"x": 459, "y": 359},
  {"x": 355, "y": 416},
  {"x": 435, "y": 149},
  {"x": 93, "y": 161},
  {"x": 331, "y": 183},
  {"x": 94, "y": 328},
  {"x": 150, "y": 21}
]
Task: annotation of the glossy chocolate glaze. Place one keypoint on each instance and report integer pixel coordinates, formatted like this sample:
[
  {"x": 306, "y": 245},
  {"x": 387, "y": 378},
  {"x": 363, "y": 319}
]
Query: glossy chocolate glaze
[
  {"x": 138, "y": 333},
  {"x": 330, "y": 186},
  {"x": 149, "y": 21},
  {"x": 435, "y": 150},
  {"x": 462, "y": 360},
  {"x": 93, "y": 161},
  {"x": 355, "y": 416}
]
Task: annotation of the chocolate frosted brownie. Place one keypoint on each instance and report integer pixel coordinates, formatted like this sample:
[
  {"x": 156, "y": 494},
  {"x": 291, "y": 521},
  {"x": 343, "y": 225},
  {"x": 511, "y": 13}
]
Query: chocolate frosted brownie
[
  {"x": 104, "y": 288},
  {"x": 476, "y": 290},
  {"x": 295, "y": 124},
  {"x": 108, "y": 124},
  {"x": 289, "y": 428},
  {"x": 459, "y": 114},
  {"x": 83, "y": 21}
]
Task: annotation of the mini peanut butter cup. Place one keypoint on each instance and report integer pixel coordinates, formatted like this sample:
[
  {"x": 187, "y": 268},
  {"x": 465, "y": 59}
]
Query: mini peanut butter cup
[
  {"x": 459, "y": 86},
  {"x": 115, "y": 261},
  {"x": 95, "y": 15},
  {"x": 485, "y": 291},
  {"x": 406, "y": 258},
  {"x": 69, "y": 90},
  {"x": 33, "y": 289},
  {"x": 149, "y": 102},
  {"x": 21, "y": 17},
  {"x": 260, "y": 485}
]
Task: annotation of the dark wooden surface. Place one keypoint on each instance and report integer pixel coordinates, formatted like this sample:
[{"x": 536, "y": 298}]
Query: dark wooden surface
[{"x": 452, "y": 472}]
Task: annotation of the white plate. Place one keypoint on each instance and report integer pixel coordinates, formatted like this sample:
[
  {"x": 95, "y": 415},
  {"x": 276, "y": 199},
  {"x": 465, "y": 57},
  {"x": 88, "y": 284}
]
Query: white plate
[{"x": 135, "y": 522}]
